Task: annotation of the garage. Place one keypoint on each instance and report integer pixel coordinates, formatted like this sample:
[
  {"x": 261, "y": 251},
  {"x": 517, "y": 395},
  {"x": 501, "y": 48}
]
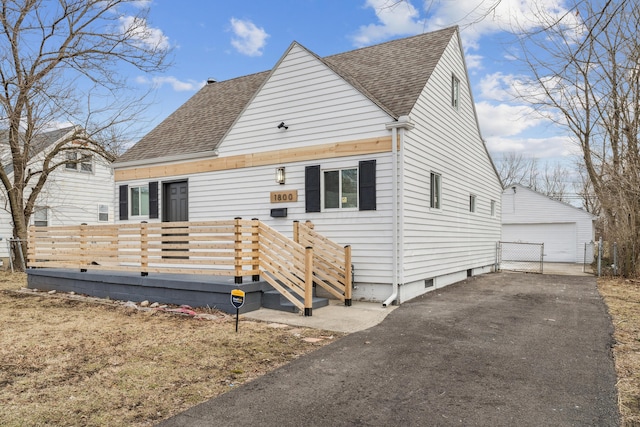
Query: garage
[
  {"x": 559, "y": 239},
  {"x": 531, "y": 217}
]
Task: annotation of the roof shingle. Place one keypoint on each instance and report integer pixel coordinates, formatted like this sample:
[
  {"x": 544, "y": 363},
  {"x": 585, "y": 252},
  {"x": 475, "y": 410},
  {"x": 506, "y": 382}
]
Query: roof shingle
[{"x": 391, "y": 74}]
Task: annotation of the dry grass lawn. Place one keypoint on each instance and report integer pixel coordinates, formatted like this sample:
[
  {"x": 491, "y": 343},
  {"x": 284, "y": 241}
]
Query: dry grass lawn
[
  {"x": 623, "y": 299},
  {"x": 70, "y": 361},
  {"x": 67, "y": 362}
]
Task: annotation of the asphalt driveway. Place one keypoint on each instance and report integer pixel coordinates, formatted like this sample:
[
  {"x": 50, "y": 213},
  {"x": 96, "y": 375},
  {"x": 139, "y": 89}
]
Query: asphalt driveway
[{"x": 495, "y": 350}]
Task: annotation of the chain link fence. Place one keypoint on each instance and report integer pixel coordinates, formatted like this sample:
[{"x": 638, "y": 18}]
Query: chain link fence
[
  {"x": 615, "y": 259},
  {"x": 519, "y": 256}
]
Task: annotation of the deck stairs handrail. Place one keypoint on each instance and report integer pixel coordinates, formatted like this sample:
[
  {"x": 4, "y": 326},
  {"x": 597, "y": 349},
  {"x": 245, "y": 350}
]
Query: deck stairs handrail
[{"x": 331, "y": 262}]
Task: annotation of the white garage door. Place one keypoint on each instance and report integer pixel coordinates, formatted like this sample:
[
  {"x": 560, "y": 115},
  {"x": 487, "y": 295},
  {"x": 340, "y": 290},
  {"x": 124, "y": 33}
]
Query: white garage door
[{"x": 559, "y": 239}]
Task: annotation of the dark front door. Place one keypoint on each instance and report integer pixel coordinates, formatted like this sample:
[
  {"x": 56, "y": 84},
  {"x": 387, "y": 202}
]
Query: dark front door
[
  {"x": 175, "y": 207},
  {"x": 176, "y": 201}
]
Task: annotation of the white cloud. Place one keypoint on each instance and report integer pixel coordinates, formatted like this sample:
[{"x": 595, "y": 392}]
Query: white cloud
[
  {"x": 508, "y": 128},
  {"x": 395, "y": 18},
  {"x": 504, "y": 120},
  {"x": 138, "y": 29},
  {"x": 475, "y": 20},
  {"x": 249, "y": 39},
  {"x": 493, "y": 16},
  {"x": 176, "y": 84}
]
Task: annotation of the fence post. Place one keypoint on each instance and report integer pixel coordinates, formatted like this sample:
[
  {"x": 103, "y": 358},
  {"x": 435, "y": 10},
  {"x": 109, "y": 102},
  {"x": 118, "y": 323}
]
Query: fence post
[
  {"x": 348, "y": 278},
  {"x": 83, "y": 247},
  {"x": 600, "y": 257},
  {"x": 308, "y": 281},
  {"x": 296, "y": 231},
  {"x": 255, "y": 260},
  {"x": 542, "y": 258},
  {"x": 615, "y": 258},
  {"x": 144, "y": 248},
  {"x": 237, "y": 263}
]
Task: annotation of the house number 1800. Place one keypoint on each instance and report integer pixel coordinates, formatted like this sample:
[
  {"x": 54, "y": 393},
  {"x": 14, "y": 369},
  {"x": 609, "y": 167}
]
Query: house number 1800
[{"x": 284, "y": 196}]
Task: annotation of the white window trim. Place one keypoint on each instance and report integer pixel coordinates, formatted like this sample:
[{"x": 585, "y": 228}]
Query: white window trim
[
  {"x": 101, "y": 205},
  {"x": 455, "y": 92},
  {"x": 322, "y": 190},
  {"x": 439, "y": 195},
  {"x": 77, "y": 156},
  {"x": 130, "y": 201},
  {"x": 40, "y": 209}
]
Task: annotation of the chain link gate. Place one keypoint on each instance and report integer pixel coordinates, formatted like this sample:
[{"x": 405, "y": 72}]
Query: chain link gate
[{"x": 519, "y": 256}]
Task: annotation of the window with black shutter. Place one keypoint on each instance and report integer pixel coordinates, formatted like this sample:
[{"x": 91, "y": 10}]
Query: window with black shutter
[
  {"x": 312, "y": 188},
  {"x": 124, "y": 202},
  {"x": 367, "y": 184}
]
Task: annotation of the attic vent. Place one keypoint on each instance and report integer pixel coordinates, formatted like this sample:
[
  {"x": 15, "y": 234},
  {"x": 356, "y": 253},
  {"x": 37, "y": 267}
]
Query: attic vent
[{"x": 211, "y": 80}]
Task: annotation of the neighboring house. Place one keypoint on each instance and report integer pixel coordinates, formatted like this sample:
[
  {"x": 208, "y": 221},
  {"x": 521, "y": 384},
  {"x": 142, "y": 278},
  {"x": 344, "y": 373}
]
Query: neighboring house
[
  {"x": 531, "y": 217},
  {"x": 379, "y": 147},
  {"x": 80, "y": 191}
]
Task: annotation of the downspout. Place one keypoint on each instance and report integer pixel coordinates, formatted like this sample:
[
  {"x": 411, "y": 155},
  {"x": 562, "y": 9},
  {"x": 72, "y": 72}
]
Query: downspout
[
  {"x": 403, "y": 123},
  {"x": 394, "y": 222}
]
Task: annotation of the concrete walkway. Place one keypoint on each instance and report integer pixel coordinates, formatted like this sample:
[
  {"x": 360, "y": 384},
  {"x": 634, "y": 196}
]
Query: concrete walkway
[{"x": 496, "y": 350}]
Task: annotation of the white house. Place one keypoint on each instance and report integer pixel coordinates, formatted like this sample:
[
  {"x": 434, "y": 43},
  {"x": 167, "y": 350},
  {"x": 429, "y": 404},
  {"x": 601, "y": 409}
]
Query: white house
[
  {"x": 80, "y": 191},
  {"x": 528, "y": 216},
  {"x": 379, "y": 147}
]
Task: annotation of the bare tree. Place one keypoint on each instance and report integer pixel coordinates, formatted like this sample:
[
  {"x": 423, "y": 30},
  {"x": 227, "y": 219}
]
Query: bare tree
[
  {"x": 551, "y": 180},
  {"x": 60, "y": 63},
  {"x": 585, "y": 68}
]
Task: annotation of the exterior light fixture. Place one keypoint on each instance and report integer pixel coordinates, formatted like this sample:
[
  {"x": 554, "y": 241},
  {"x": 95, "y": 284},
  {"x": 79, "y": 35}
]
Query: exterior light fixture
[
  {"x": 280, "y": 175},
  {"x": 282, "y": 125}
]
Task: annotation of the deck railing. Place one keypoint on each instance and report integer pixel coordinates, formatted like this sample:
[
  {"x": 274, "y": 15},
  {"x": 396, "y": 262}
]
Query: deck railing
[
  {"x": 236, "y": 248},
  {"x": 331, "y": 262}
]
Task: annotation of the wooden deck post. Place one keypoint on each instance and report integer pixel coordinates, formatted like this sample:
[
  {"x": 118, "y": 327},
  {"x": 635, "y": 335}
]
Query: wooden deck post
[
  {"x": 144, "y": 248},
  {"x": 308, "y": 281},
  {"x": 348, "y": 276},
  {"x": 296, "y": 231},
  {"x": 255, "y": 260},
  {"x": 238, "y": 251},
  {"x": 31, "y": 245},
  {"x": 83, "y": 247}
]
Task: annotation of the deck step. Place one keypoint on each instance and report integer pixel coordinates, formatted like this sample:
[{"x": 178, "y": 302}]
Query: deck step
[{"x": 276, "y": 301}]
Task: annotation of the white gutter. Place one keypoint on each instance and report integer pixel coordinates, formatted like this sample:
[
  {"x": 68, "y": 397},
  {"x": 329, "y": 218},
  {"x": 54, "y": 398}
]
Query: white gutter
[
  {"x": 394, "y": 204},
  {"x": 403, "y": 123}
]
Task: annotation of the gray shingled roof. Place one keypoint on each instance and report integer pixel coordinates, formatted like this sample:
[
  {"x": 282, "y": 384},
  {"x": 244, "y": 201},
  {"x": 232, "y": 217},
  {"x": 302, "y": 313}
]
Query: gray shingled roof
[{"x": 391, "y": 74}]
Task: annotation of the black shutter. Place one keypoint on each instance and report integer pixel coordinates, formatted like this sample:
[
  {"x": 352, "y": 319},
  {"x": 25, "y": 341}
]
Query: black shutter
[
  {"x": 153, "y": 199},
  {"x": 367, "y": 189},
  {"x": 312, "y": 188},
  {"x": 124, "y": 202}
]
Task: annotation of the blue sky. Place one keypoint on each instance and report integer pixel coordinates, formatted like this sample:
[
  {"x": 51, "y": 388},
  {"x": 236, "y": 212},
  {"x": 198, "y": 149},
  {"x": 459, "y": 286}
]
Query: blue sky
[{"x": 224, "y": 39}]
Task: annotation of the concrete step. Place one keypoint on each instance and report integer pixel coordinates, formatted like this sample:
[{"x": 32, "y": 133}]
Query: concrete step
[{"x": 276, "y": 301}]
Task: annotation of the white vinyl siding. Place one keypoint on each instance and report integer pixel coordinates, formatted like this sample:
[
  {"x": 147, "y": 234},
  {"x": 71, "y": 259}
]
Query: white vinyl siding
[
  {"x": 316, "y": 104},
  {"x": 246, "y": 193},
  {"x": 451, "y": 239}
]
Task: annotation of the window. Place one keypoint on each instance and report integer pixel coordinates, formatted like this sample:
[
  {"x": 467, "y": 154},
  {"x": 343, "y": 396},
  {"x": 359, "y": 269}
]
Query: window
[
  {"x": 103, "y": 213},
  {"x": 40, "y": 216},
  {"x": 455, "y": 91},
  {"x": 79, "y": 161},
  {"x": 72, "y": 158},
  {"x": 139, "y": 201},
  {"x": 472, "y": 203},
  {"x": 436, "y": 190},
  {"x": 341, "y": 189},
  {"x": 493, "y": 208}
]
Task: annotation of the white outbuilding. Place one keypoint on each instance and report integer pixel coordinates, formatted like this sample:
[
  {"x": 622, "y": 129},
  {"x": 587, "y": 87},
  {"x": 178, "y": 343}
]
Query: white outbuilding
[{"x": 530, "y": 217}]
